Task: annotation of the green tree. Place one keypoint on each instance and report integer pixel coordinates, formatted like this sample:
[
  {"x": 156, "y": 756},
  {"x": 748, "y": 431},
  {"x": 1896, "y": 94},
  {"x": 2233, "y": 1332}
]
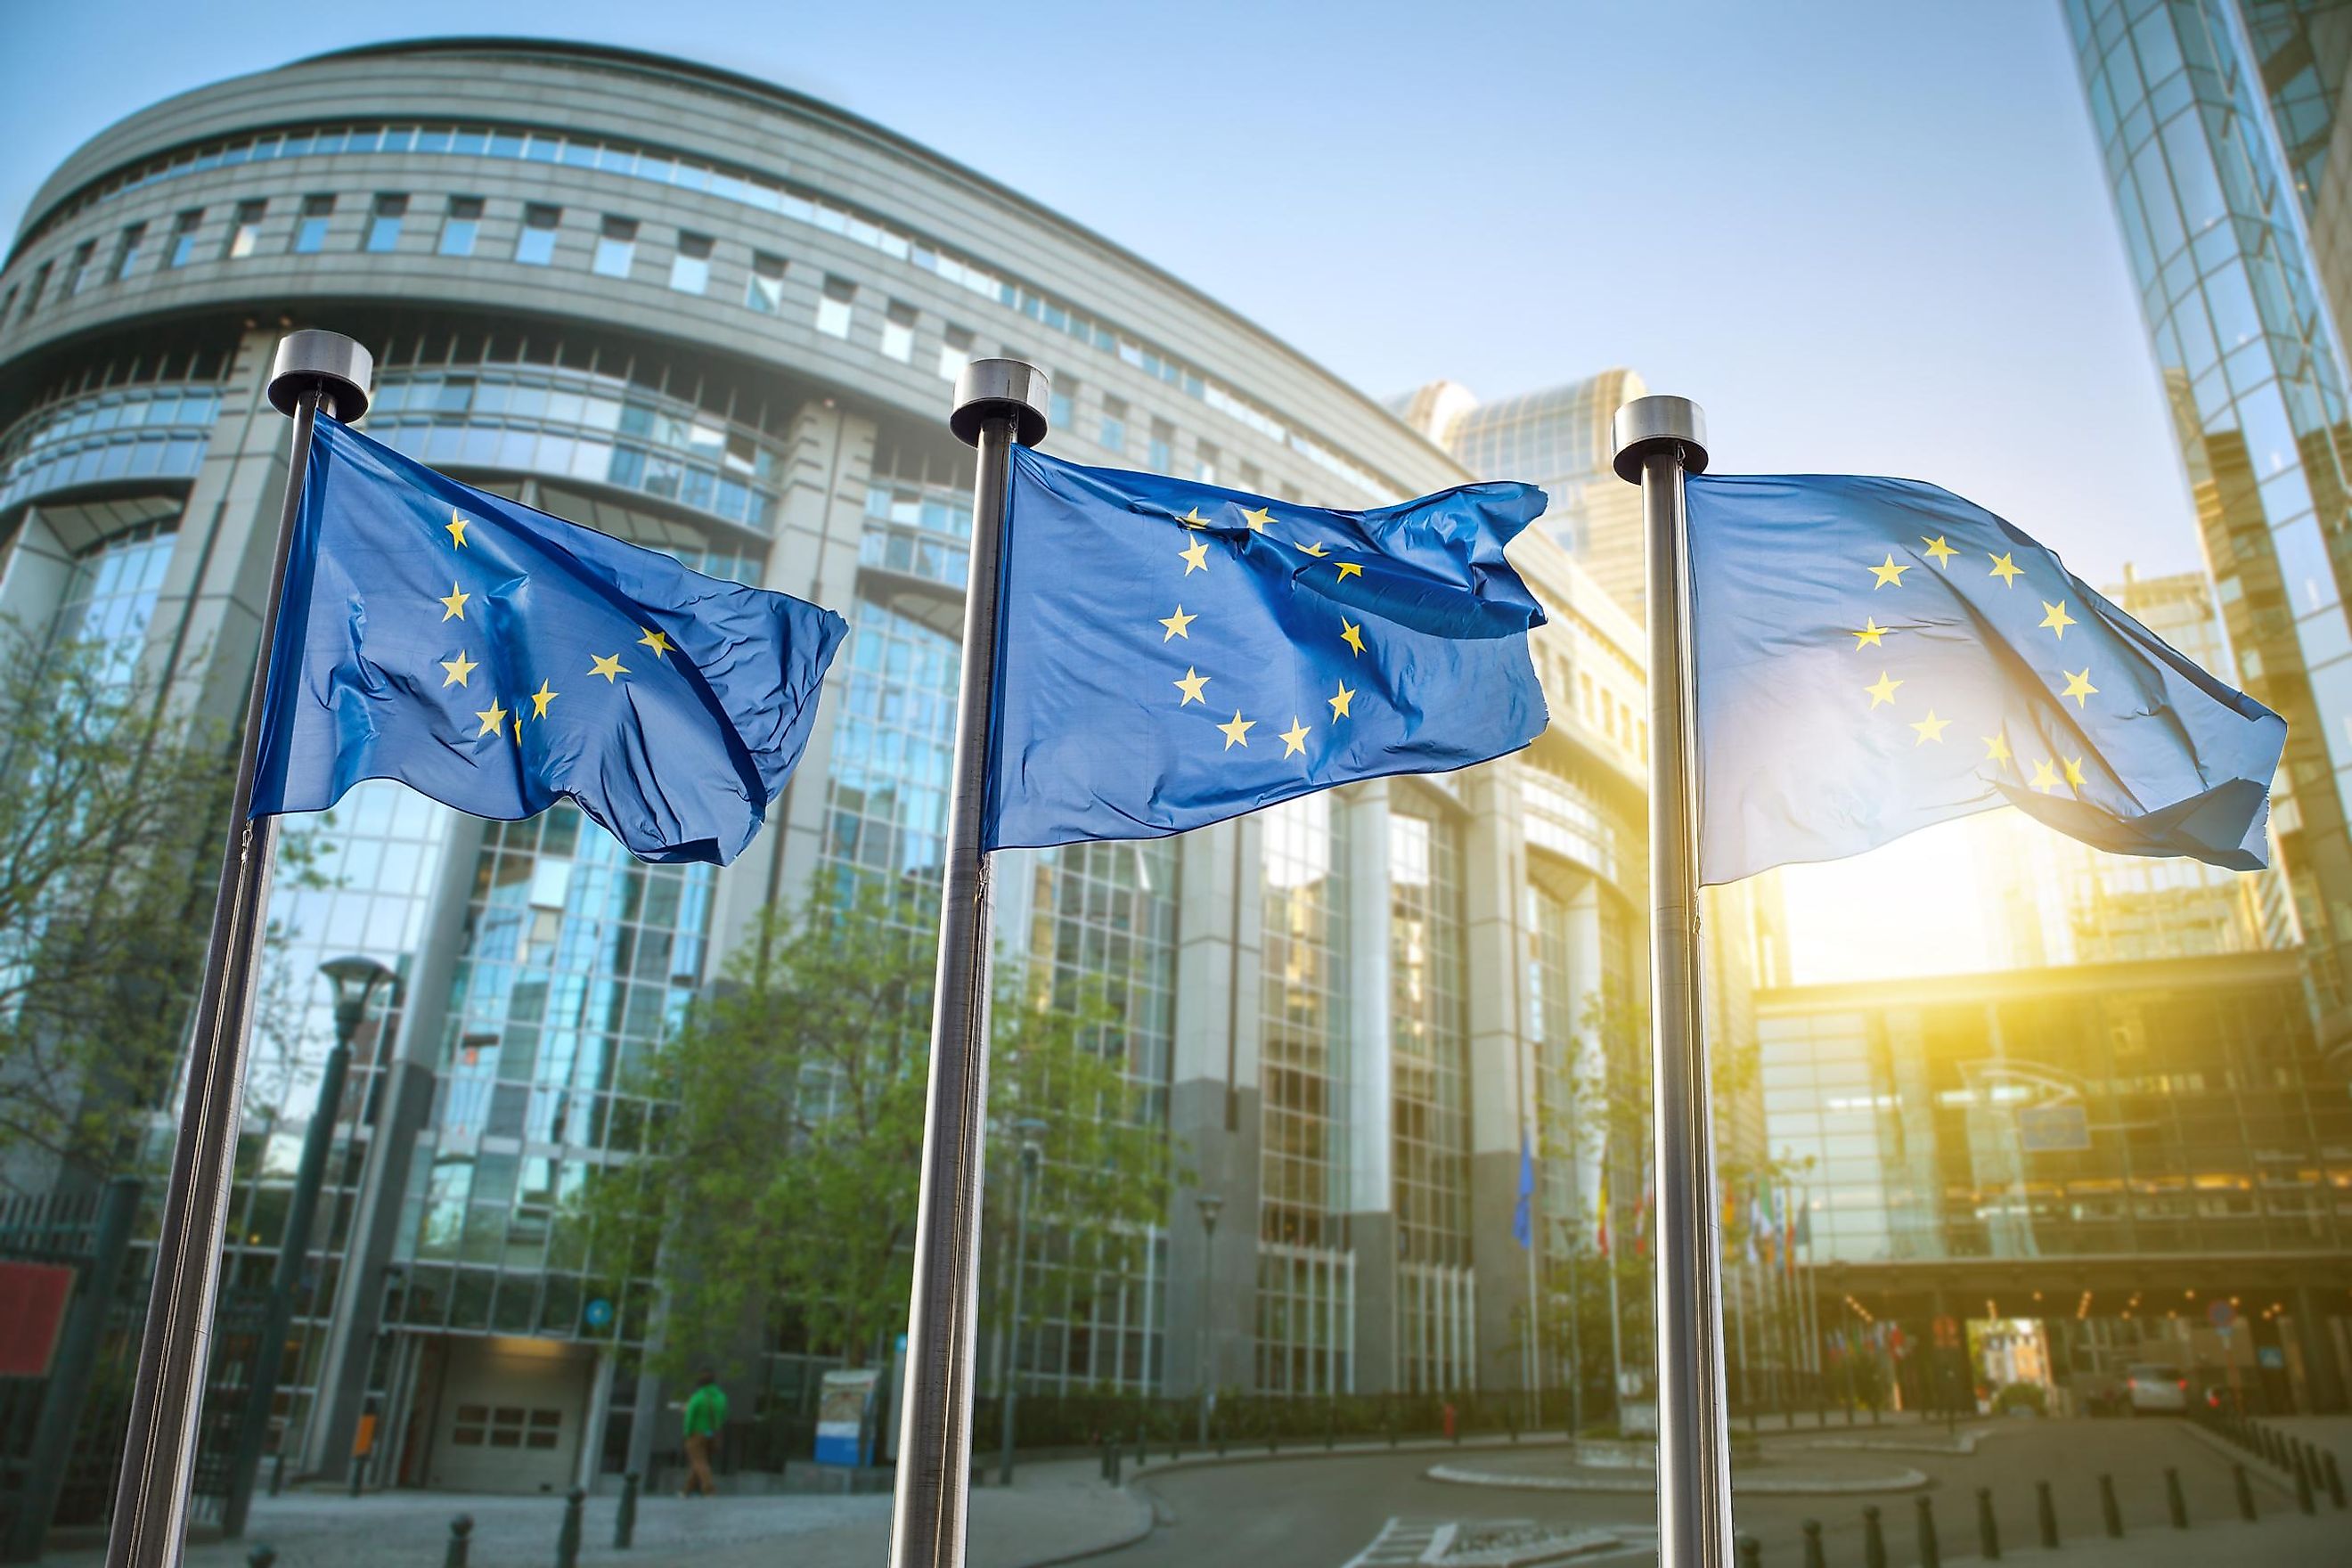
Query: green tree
[{"x": 780, "y": 1172}]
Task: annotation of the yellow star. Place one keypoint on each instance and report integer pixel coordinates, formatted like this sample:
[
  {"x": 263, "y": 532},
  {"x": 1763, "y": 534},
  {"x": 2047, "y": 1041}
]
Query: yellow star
[
  {"x": 1996, "y": 748},
  {"x": 657, "y": 641},
  {"x": 459, "y": 668},
  {"x": 491, "y": 717},
  {"x": 1257, "y": 519},
  {"x": 2005, "y": 568},
  {"x": 1883, "y": 693},
  {"x": 456, "y": 529},
  {"x": 1931, "y": 728},
  {"x": 1942, "y": 552},
  {"x": 453, "y": 604},
  {"x": 1177, "y": 625},
  {"x": 1869, "y": 635},
  {"x": 1195, "y": 556},
  {"x": 2074, "y": 772},
  {"x": 540, "y": 699},
  {"x": 1294, "y": 738},
  {"x": 1350, "y": 569},
  {"x": 1315, "y": 550},
  {"x": 518, "y": 727},
  {"x": 2079, "y": 687},
  {"x": 1351, "y": 634},
  {"x": 1237, "y": 732},
  {"x": 608, "y": 665},
  {"x": 2045, "y": 777},
  {"x": 1340, "y": 702},
  {"x": 1191, "y": 685},
  {"x": 2055, "y": 617},
  {"x": 1193, "y": 519},
  {"x": 1890, "y": 572}
]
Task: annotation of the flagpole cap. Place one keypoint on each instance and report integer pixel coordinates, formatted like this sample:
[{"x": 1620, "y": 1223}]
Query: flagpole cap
[
  {"x": 989, "y": 389},
  {"x": 313, "y": 360},
  {"x": 1648, "y": 424}
]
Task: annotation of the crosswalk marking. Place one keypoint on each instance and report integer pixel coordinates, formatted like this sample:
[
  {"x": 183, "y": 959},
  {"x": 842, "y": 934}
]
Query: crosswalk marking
[{"x": 1403, "y": 1540}]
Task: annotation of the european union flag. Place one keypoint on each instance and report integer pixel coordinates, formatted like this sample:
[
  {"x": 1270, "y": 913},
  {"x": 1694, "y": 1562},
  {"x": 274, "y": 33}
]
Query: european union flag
[
  {"x": 1172, "y": 654},
  {"x": 497, "y": 658},
  {"x": 1876, "y": 654}
]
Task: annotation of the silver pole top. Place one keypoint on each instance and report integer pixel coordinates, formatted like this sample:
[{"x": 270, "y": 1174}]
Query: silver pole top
[
  {"x": 1648, "y": 423},
  {"x": 993, "y": 388},
  {"x": 316, "y": 361}
]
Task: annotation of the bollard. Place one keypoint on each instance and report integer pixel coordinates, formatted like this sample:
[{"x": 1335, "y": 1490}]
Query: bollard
[
  {"x": 625, "y": 1521},
  {"x": 2302, "y": 1491},
  {"x": 1930, "y": 1554},
  {"x": 2245, "y": 1493},
  {"x": 2334, "y": 1478},
  {"x": 1102, "y": 1459},
  {"x": 2046, "y": 1515},
  {"x": 567, "y": 1535},
  {"x": 1752, "y": 1552},
  {"x": 260, "y": 1557},
  {"x": 1987, "y": 1527},
  {"x": 1874, "y": 1542},
  {"x": 1813, "y": 1558},
  {"x": 1221, "y": 1445},
  {"x": 1141, "y": 1454},
  {"x": 2107, "y": 1509},
  {"x": 460, "y": 1528},
  {"x": 2175, "y": 1504}
]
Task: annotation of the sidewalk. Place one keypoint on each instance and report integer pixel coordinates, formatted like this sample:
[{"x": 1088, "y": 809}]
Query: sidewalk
[
  {"x": 2295, "y": 1541},
  {"x": 1055, "y": 1510}
]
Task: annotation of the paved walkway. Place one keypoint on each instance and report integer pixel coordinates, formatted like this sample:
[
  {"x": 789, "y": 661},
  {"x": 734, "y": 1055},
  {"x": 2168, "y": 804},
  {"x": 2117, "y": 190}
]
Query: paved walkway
[
  {"x": 2323, "y": 1542},
  {"x": 1053, "y": 1511}
]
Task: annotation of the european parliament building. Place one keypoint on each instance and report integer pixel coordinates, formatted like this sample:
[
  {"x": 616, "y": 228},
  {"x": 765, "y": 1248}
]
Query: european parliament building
[{"x": 709, "y": 315}]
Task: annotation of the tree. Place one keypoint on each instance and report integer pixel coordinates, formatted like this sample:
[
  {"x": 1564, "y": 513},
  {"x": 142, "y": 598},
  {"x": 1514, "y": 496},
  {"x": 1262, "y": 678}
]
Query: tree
[{"x": 780, "y": 1174}]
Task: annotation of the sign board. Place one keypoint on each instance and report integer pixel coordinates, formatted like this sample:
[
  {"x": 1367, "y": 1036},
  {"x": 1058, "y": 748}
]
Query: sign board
[
  {"x": 844, "y": 1410},
  {"x": 599, "y": 1313},
  {"x": 2221, "y": 1314},
  {"x": 2057, "y": 1127},
  {"x": 33, "y": 1298},
  {"x": 2271, "y": 1356}
]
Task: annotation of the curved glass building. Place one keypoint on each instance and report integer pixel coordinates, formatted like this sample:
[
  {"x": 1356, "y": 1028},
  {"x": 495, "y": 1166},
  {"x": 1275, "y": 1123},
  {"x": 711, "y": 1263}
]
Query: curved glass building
[{"x": 720, "y": 318}]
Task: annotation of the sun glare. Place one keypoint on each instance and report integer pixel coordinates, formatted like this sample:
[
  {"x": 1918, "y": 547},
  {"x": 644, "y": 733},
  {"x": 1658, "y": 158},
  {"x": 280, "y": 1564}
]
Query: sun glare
[{"x": 1925, "y": 904}]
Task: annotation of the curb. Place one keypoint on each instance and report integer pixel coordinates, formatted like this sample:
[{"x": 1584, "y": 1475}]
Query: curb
[
  {"x": 2258, "y": 1468},
  {"x": 1361, "y": 1451},
  {"x": 1964, "y": 1448},
  {"x": 1905, "y": 1480}
]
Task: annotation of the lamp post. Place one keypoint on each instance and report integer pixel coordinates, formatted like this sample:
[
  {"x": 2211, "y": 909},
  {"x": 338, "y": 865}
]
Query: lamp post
[
  {"x": 355, "y": 980},
  {"x": 1032, "y": 1155},
  {"x": 1210, "y": 1204}
]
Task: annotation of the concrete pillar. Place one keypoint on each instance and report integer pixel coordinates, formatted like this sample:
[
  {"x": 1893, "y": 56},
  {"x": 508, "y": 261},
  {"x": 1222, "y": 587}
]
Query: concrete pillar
[
  {"x": 1370, "y": 1197},
  {"x": 1501, "y": 1070},
  {"x": 2323, "y": 1375},
  {"x": 647, "y": 1419},
  {"x": 600, "y": 1408}
]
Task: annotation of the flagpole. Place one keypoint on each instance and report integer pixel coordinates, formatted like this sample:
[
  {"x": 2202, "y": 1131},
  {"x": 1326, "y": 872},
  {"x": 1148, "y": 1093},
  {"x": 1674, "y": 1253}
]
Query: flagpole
[
  {"x": 1659, "y": 441},
  {"x": 314, "y": 372},
  {"x": 998, "y": 402}
]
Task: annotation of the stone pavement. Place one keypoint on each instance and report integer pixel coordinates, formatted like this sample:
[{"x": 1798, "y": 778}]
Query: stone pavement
[
  {"x": 1055, "y": 1510},
  {"x": 2324, "y": 1541}
]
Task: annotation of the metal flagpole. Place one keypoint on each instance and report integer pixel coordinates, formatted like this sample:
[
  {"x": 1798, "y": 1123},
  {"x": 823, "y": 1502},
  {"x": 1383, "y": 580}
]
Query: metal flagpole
[
  {"x": 314, "y": 372},
  {"x": 1658, "y": 441},
  {"x": 997, "y": 403}
]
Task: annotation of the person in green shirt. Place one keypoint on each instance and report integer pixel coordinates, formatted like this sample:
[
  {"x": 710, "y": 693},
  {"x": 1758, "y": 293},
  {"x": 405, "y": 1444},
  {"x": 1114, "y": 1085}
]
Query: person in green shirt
[{"x": 705, "y": 1416}]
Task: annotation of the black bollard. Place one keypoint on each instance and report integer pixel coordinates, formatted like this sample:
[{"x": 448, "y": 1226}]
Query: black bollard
[
  {"x": 2245, "y": 1493},
  {"x": 2334, "y": 1478},
  {"x": 1116, "y": 1454},
  {"x": 1813, "y": 1558},
  {"x": 2046, "y": 1515},
  {"x": 2302, "y": 1491},
  {"x": 1930, "y": 1554},
  {"x": 567, "y": 1535},
  {"x": 2107, "y": 1509},
  {"x": 1874, "y": 1542},
  {"x": 260, "y": 1557},
  {"x": 460, "y": 1529},
  {"x": 1987, "y": 1527},
  {"x": 625, "y": 1521},
  {"x": 2174, "y": 1502},
  {"x": 1751, "y": 1551},
  {"x": 1140, "y": 1453}
]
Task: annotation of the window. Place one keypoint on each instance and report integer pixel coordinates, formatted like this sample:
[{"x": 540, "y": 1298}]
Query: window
[
  {"x": 79, "y": 274},
  {"x": 833, "y": 311},
  {"x": 462, "y": 226},
  {"x": 616, "y": 249},
  {"x": 689, "y": 270},
  {"x": 1204, "y": 463},
  {"x": 245, "y": 232},
  {"x": 383, "y": 228},
  {"x": 310, "y": 228},
  {"x": 1162, "y": 455},
  {"x": 126, "y": 254},
  {"x": 955, "y": 352},
  {"x": 898, "y": 332},
  {"x": 33, "y": 294},
  {"x": 765, "y": 291},
  {"x": 535, "y": 245},
  {"x": 1114, "y": 424},
  {"x": 1061, "y": 402},
  {"x": 184, "y": 238}
]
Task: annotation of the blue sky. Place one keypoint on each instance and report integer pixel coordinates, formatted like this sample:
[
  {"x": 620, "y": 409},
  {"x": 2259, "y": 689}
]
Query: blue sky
[{"x": 1868, "y": 237}]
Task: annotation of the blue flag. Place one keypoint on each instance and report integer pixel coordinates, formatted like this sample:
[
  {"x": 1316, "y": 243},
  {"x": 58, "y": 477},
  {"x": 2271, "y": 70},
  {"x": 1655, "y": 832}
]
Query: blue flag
[
  {"x": 1172, "y": 654},
  {"x": 1523, "y": 1213},
  {"x": 1876, "y": 654},
  {"x": 497, "y": 658}
]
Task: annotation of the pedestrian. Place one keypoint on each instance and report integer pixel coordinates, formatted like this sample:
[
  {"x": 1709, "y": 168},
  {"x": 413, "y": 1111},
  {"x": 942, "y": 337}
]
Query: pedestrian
[{"x": 705, "y": 1416}]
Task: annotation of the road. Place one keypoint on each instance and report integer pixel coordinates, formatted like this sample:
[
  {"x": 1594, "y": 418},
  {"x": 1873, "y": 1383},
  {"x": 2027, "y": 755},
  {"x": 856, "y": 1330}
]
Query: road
[{"x": 1329, "y": 1512}]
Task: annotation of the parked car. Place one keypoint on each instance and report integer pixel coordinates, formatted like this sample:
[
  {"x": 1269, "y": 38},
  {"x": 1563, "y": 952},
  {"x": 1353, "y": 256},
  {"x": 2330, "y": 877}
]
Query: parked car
[{"x": 2156, "y": 1387}]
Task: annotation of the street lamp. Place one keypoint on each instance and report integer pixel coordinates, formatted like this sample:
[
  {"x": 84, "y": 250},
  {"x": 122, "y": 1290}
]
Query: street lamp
[
  {"x": 1032, "y": 1155},
  {"x": 356, "y": 981},
  {"x": 1210, "y": 1204}
]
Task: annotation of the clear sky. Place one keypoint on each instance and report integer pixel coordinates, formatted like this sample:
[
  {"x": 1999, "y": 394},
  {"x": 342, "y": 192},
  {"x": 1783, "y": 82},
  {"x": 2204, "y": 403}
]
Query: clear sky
[{"x": 1868, "y": 238}]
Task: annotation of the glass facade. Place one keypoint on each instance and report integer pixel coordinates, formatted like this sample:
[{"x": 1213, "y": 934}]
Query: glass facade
[{"x": 124, "y": 433}]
